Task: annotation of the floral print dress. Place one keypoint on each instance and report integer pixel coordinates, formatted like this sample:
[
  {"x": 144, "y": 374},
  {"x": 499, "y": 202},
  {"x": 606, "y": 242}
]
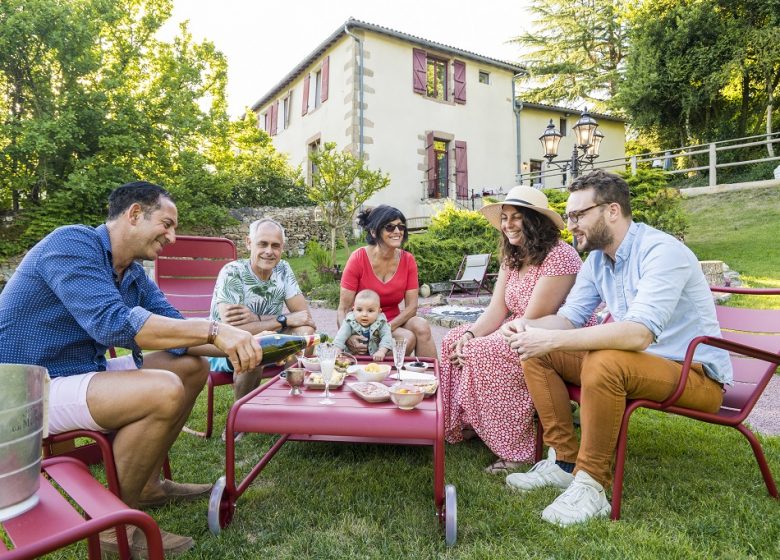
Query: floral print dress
[{"x": 489, "y": 392}]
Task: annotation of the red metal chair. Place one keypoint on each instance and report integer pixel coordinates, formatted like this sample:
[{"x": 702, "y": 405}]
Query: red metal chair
[
  {"x": 54, "y": 523},
  {"x": 186, "y": 272},
  {"x": 752, "y": 337}
]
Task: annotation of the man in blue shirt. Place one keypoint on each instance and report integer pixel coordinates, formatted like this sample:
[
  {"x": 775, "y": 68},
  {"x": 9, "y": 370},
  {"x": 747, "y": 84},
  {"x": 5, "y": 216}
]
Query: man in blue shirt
[
  {"x": 657, "y": 294},
  {"x": 79, "y": 291}
]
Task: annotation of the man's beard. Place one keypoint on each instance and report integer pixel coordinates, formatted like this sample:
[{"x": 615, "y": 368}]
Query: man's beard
[{"x": 597, "y": 238}]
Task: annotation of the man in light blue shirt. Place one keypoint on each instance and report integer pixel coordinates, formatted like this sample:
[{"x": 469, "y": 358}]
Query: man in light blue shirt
[{"x": 659, "y": 300}]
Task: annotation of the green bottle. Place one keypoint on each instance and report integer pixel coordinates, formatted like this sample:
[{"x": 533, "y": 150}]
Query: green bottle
[{"x": 277, "y": 347}]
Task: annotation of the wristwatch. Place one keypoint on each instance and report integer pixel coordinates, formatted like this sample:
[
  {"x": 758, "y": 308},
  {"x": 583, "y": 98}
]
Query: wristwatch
[{"x": 282, "y": 320}]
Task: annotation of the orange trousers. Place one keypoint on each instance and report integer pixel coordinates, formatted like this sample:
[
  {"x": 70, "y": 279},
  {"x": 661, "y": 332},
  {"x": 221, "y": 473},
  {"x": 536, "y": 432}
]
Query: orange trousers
[{"x": 607, "y": 378}]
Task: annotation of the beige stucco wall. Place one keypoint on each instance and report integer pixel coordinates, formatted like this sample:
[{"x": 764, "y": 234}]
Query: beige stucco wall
[
  {"x": 534, "y": 121},
  {"x": 397, "y": 120},
  {"x": 401, "y": 119},
  {"x": 327, "y": 120}
]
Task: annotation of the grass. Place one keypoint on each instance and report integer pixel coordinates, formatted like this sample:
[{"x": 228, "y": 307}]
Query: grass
[{"x": 691, "y": 490}]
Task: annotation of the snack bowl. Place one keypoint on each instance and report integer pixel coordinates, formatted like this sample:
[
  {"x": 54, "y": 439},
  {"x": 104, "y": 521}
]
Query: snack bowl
[
  {"x": 311, "y": 364},
  {"x": 372, "y": 371},
  {"x": 405, "y": 396},
  {"x": 416, "y": 366}
]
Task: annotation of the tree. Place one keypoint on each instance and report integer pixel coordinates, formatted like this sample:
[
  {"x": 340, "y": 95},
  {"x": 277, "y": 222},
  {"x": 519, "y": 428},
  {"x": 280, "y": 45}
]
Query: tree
[
  {"x": 341, "y": 183},
  {"x": 701, "y": 70},
  {"x": 90, "y": 99},
  {"x": 575, "y": 51}
]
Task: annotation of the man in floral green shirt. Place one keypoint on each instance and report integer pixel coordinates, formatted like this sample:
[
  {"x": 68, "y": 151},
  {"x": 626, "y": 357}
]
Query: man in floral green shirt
[{"x": 251, "y": 294}]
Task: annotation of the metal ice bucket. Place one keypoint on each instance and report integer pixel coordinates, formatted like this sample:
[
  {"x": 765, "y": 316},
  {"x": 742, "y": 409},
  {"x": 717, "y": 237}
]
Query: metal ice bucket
[{"x": 21, "y": 427}]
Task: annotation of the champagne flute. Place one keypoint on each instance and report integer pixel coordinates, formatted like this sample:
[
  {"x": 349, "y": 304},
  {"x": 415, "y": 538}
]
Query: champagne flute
[
  {"x": 399, "y": 353},
  {"x": 327, "y": 352}
]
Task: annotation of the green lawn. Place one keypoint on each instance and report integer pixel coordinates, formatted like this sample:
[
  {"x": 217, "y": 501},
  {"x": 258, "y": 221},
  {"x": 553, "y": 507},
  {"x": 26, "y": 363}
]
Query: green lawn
[{"x": 691, "y": 491}]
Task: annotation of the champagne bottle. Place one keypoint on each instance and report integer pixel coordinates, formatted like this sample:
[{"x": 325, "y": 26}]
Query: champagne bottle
[{"x": 277, "y": 347}]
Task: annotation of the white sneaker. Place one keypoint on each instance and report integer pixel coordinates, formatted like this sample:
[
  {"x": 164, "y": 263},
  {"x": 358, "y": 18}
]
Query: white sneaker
[
  {"x": 544, "y": 473},
  {"x": 584, "y": 499}
]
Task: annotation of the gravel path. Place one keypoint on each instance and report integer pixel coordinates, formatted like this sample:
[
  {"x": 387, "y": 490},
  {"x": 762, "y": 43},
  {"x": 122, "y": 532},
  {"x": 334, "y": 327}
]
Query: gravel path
[{"x": 764, "y": 419}]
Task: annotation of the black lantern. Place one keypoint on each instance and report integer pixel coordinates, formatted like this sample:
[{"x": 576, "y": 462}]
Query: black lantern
[{"x": 587, "y": 140}]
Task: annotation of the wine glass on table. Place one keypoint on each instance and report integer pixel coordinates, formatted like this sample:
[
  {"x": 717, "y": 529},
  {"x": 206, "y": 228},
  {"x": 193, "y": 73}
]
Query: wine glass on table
[
  {"x": 327, "y": 352},
  {"x": 399, "y": 353}
]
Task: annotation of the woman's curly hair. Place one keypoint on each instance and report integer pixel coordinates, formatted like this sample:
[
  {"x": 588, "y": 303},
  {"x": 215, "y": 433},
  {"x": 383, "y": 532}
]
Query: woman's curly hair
[{"x": 540, "y": 235}]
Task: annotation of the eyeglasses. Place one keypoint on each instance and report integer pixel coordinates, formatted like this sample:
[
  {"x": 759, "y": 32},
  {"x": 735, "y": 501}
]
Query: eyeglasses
[
  {"x": 390, "y": 228},
  {"x": 574, "y": 217}
]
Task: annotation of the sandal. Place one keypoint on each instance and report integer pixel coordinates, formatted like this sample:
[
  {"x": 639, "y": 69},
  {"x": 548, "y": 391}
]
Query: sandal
[
  {"x": 502, "y": 466},
  {"x": 468, "y": 433}
]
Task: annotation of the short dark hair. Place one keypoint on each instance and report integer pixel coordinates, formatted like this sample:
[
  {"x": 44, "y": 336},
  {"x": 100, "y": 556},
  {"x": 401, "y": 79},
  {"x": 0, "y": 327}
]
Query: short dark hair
[
  {"x": 373, "y": 220},
  {"x": 146, "y": 194},
  {"x": 607, "y": 188},
  {"x": 541, "y": 236}
]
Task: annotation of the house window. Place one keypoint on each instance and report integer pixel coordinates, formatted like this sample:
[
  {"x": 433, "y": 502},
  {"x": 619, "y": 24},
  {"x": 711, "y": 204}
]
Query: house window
[
  {"x": 437, "y": 79},
  {"x": 562, "y": 126},
  {"x": 313, "y": 147},
  {"x": 441, "y": 168},
  {"x": 536, "y": 172},
  {"x": 484, "y": 77},
  {"x": 286, "y": 113},
  {"x": 267, "y": 121},
  {"x": 318, "y": 89}
]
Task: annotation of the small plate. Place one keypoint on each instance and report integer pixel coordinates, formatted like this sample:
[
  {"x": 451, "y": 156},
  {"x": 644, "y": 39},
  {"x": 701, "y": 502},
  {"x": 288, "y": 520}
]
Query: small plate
[
  {"x": 370, "y": 391},
  {"x": 415, "y": 377},
  {"x": 309, "y": 384},
  {"x": 419, "y": 368}
]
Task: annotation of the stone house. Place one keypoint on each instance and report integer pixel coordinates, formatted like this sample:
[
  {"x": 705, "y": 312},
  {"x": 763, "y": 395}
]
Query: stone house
[{"x": 440, "y": 120}]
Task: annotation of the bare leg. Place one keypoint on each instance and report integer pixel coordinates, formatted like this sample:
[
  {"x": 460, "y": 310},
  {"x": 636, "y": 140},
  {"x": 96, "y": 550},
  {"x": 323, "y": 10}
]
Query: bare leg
[
  {"x": 425, "y": 346},
  {"x": 405, "y": 334},
  {"x": 147, "y": 408}
]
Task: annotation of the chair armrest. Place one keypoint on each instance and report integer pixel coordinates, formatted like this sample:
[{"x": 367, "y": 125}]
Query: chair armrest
[{"x": 729, "y": 345}]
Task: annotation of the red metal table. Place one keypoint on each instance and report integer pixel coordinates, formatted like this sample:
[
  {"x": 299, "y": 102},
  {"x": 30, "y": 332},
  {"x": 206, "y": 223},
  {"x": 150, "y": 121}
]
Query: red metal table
[
  {"x": 54, "y": 523},
  {"x": 270, "y": 409}
]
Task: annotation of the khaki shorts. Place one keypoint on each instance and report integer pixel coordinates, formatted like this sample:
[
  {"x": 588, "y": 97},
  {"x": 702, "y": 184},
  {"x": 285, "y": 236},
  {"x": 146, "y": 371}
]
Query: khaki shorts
[{"x": 68, "y": 408}]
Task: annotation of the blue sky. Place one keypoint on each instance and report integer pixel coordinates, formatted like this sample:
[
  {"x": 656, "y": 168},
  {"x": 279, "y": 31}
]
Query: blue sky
[{"x": 265, "y": 40}]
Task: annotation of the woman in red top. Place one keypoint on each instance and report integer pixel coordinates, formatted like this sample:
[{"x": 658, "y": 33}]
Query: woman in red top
[{"x": 383, "y": 266}]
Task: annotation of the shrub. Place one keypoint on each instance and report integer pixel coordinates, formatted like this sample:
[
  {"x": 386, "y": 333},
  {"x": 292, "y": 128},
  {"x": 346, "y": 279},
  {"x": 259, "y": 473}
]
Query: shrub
[
  {"x": 656, "y": 204},
  {"x": 328, "y": 292},
  {"x": 453, "y": 233}
]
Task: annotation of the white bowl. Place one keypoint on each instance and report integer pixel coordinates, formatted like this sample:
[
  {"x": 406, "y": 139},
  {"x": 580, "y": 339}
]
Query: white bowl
[
  {"x": 406, "y": 397},
  {"x": 416, "y": 366},
  {"x": 311, "y": 364},
  {"x": 363, "y": 375}
]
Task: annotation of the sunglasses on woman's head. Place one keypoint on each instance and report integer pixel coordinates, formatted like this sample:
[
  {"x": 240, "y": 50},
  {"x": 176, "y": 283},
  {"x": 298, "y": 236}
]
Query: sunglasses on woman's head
[{"x": 390, "y": 228}]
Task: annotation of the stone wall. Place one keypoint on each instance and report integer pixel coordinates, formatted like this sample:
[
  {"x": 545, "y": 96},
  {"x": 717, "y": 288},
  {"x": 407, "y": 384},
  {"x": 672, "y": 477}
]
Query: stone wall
[{"x": 300, "y": 225}]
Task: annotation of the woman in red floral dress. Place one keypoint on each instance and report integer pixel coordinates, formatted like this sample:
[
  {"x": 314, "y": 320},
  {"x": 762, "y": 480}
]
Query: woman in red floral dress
[{"x": 484, "y": 390}]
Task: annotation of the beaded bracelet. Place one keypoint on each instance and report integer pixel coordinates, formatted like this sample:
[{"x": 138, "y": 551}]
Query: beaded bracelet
[{"x": 213, "y": 332}]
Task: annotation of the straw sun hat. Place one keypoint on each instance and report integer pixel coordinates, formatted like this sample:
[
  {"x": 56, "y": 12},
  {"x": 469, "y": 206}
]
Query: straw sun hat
[{"x": 527, "y": 197}]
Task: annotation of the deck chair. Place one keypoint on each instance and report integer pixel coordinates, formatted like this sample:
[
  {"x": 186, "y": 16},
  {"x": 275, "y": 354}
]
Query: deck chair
[
  {"x": 752, "y": 337},
  {"x": 472, "y": 275}
]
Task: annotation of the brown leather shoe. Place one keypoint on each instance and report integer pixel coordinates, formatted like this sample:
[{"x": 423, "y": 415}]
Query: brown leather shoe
[
  {"x": 176, "y": 492},
  {"x": 173, "y": 545}
]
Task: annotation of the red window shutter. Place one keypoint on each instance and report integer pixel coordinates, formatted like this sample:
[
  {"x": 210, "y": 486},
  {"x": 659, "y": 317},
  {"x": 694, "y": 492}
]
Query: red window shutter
[
  {"x": 274, "y": 118},
  {"x": 430, "y": 152},
  {"x": 306, "y": 82},
  {"x": 325, "y": 73},
  {"x": 419, "y": 70},
  {"x": 459, "y": 75},
  {"x": 461, "y": 170}
]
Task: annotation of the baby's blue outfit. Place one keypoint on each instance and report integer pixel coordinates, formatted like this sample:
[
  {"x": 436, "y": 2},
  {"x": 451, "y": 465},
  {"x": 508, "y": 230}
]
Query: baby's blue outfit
[{"x": 379, "y": 334}]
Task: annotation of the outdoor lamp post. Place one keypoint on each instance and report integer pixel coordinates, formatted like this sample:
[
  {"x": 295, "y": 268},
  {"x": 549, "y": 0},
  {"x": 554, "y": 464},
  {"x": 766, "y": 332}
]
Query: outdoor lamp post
[{"x": 586, "y": 140}]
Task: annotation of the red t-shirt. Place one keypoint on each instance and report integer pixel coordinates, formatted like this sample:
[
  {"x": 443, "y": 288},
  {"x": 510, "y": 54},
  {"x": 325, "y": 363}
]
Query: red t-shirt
[{"x": 358, "y": 275}]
